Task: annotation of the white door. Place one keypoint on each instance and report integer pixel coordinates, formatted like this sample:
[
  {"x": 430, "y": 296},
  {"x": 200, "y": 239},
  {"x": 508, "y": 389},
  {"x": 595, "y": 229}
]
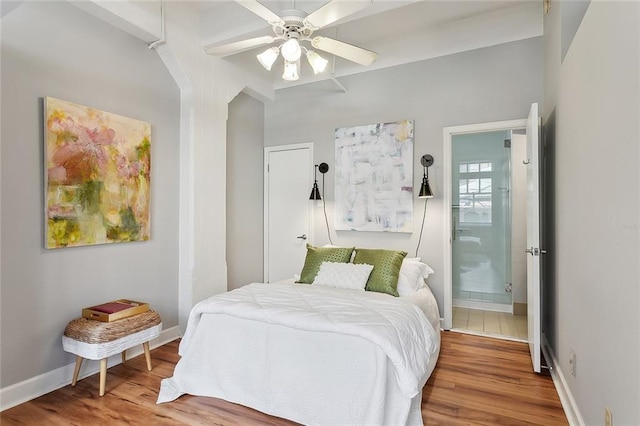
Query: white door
[
  {"x": 533, "y": 237},
  {"x": 288, "y": 183}
]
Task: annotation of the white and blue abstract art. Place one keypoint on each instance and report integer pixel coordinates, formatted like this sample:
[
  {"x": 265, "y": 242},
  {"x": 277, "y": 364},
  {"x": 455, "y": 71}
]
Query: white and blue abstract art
[{"x": 374, "y": 177}]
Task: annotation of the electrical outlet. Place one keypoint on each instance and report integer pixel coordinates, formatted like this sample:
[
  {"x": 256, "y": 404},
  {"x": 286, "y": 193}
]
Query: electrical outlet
[
  {"x": 573, "y": 362},
  {"x": 608, "y": 417}
]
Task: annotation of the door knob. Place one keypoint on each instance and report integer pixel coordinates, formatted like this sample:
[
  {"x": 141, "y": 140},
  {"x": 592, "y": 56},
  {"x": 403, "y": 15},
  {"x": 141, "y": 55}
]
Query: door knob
[
  {"x": 533, "y": 251},
  {"x": 302, "y": 237}
]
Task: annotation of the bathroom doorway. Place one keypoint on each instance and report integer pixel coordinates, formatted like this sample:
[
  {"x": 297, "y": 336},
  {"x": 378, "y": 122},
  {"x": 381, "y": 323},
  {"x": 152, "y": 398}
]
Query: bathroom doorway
[
  {"x": 487, "y": 233},
  {"x": 481, "y": 220}
]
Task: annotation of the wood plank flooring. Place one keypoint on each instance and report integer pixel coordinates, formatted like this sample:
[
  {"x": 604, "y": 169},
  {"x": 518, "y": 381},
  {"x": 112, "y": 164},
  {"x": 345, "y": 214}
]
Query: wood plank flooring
[
  {"x": 486, "y": 381},
  {"x": 478, "y": 381}
]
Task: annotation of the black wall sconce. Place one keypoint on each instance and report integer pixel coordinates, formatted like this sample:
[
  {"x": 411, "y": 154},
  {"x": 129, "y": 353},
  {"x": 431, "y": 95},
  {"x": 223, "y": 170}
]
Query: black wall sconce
[
  {"x": 425, "y": 188},
  {"x": 425, "y": 191},
  {"x": 315, "y": 192}
]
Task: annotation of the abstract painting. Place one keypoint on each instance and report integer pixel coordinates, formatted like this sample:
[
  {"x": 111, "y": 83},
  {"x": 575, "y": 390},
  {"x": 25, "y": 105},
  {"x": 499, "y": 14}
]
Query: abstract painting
[
  {"x": 374, "y": 177},
  {"x": 97, "y": 176}
]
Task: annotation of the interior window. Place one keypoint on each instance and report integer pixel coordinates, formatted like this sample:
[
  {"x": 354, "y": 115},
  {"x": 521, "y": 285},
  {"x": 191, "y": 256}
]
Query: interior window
[{"x": 475, "y": 192}]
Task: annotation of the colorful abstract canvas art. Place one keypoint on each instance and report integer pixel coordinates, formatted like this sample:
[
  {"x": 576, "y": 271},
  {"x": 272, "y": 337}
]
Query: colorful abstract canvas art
[
  {"x": 374, "y": 177},
  {"x": 97, "y": 177}
]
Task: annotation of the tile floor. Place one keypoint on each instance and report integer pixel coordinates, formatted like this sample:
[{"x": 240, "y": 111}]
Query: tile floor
[{"x": 497, "y": 324}]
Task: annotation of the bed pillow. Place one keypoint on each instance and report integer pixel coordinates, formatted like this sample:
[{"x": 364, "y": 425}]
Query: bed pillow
[
  {"x": 343, "y": 275},
  {"x": 331, "y": 245},
  {"x": 386, "y": 268},
  {"x": 427, "y": 271},
  {"x": 412, "y": 275},
  {"x": 317, "y": 255}
]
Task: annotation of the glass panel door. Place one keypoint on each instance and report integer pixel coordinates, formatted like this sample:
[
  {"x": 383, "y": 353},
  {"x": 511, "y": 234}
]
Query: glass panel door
[{"x": 481, "y": 217}]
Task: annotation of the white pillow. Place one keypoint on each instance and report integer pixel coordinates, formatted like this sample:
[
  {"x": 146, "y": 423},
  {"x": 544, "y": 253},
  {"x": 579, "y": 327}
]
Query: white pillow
[
  {"x": 412, "y": 275},
  {"x": 343, "y": 275},
  {"x": 427, "y": 269}
]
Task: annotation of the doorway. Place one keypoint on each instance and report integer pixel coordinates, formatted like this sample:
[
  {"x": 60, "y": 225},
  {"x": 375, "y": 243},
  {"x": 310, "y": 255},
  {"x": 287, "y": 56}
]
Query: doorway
[
  {"x": 485, "y": 290},
  {"x": 481, "y": 219}
]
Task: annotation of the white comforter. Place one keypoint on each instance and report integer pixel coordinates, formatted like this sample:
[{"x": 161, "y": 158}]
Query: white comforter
[{"x": 396, "y": 326}]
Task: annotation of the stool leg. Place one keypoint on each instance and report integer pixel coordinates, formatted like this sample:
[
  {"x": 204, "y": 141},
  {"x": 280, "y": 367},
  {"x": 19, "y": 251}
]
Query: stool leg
[
  {"x": 124, "y": 356},
  {"x": 76, "y": 370},
  {"x": 103, "y": 375},
  {"x": 147, "y": 354}
]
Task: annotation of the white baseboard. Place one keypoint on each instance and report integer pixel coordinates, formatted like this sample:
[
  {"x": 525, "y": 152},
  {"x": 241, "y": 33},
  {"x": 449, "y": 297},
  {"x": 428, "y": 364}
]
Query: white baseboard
[
  {"x": 34, "y": 387},
  {"x": 564, "y": 392}
]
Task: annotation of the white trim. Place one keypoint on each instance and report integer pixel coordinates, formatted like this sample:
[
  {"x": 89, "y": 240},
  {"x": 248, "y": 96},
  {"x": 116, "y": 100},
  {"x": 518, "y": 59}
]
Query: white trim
[
  {"x": 564, "y": 392},
  {"x": 446, "y": 218},
  {"x": 447, "y": 134},
  {"x": 34, "y": 387},
  {"x": 267, "y": 151}
]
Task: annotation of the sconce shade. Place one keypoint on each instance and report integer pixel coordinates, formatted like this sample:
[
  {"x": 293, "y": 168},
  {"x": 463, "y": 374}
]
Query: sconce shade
[
  {"x": 268, "y": 57},
  {"x": 425, "y": 189},
  {"x": 315, "y": 193},
  {"x": 290, "y": 71},
  {"x": 291, "y": 50},
  {"x": 317, "y": 62}
]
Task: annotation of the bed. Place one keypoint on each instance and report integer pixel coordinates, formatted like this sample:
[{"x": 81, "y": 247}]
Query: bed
[{"x": 314, "y": 354}]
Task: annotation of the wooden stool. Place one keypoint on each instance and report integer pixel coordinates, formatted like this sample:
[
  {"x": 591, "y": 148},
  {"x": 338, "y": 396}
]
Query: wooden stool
[{"x": 90, "y": 339}]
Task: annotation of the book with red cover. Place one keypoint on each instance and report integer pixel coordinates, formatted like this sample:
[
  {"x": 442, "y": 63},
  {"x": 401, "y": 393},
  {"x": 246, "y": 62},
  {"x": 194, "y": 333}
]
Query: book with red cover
[{"x": 111, "y": 307}]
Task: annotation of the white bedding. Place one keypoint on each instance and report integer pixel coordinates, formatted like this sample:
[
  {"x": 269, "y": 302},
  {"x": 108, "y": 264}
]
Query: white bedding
[{"x": 315, "y": 355}]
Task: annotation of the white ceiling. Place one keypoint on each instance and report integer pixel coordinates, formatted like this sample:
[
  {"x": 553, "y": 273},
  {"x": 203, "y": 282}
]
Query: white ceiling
[{"x": 399, "y": 31}]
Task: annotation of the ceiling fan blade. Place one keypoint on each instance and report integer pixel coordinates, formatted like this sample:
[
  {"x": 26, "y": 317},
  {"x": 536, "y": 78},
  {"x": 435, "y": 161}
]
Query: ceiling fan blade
[
  {"x": 333, "y": 11},
  {"x": 262, "y": 11},
  {"x": 239, "y": 46},
  {"x": 344, "y": 50}
]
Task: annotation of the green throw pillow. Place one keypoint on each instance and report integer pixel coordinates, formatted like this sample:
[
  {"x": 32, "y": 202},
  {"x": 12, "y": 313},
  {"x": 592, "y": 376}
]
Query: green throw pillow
[
  {"x": 317, "y": 255},
  {"x": 386, "y": 269}
]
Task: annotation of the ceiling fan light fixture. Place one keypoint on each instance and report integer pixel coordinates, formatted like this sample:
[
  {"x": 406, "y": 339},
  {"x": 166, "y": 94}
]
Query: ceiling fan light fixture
[
  {"x": 268, "y": 57},
  {"x": 291, "y": 71},
  {"x": 317, "y": 62},
  {"x": 291, "y": 50},
  {"x": 294, "y": 26}
]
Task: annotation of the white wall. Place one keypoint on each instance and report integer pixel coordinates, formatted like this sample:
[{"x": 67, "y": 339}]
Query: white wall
[
  {"x": 125, "y": 83},
  {"x": 245, "y": 174},
  {"x": 54, "y": 49},
  {"x": 594, "y": 149},
  {"x": 490, "y": 84}
]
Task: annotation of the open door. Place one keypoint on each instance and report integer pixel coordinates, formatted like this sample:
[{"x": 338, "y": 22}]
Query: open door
[{"x": 533, "y": 237}]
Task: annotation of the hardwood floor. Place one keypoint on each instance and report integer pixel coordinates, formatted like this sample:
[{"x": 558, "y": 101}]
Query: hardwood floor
[
  {"x": 486, "y": 381},
  {"x": 478, "y": 381}
]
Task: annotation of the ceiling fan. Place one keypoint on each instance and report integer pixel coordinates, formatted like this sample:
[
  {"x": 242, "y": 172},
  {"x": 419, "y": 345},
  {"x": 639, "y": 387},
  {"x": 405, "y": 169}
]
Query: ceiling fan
[{"x": 295, "y": 26}]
